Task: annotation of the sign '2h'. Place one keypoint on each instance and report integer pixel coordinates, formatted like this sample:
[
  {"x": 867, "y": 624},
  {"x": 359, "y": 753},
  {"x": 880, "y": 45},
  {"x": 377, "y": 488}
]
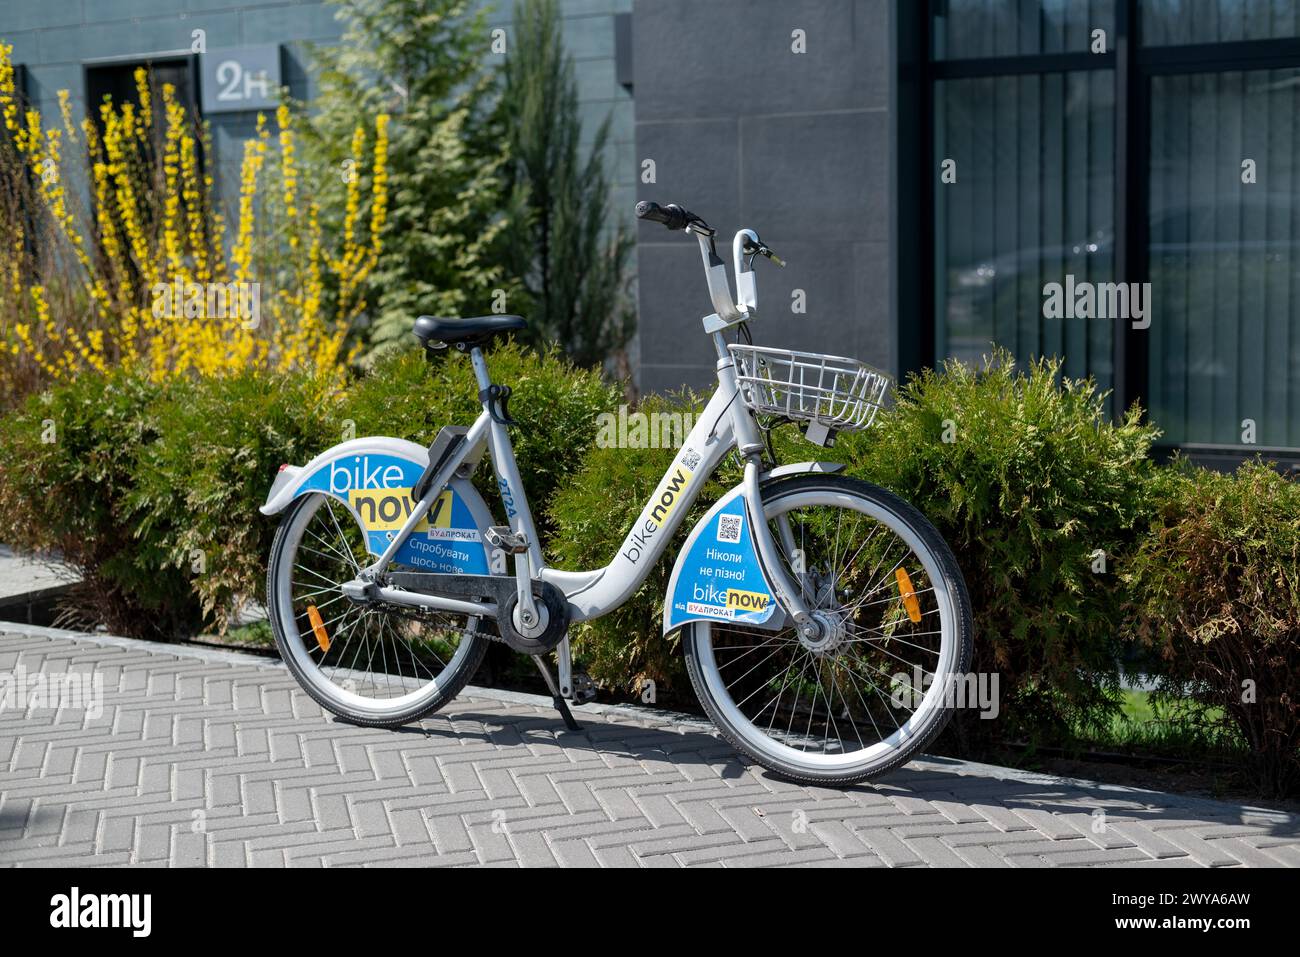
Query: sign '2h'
[{"x": 237, "y": 79}]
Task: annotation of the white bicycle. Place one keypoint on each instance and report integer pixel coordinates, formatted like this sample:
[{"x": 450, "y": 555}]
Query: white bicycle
[{"x": 825, "y": 621}]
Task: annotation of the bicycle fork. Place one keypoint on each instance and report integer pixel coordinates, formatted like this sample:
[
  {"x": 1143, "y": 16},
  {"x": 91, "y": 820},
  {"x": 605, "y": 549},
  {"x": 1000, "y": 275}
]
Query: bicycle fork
[{"x": 812, "y": 626}]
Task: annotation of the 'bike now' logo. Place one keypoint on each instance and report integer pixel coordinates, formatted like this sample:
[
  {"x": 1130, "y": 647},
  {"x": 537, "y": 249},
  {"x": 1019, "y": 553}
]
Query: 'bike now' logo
[
  {"x": 669, "y": 495},
  {"x": 709, "y": 594},
  {"x": 73, "y": 910},
  {"x": 360, "y": 475},
  {"x": 386, "y": 510},
  {"x": 747, "y": 600},
  {"x": 662, "y": 505}
]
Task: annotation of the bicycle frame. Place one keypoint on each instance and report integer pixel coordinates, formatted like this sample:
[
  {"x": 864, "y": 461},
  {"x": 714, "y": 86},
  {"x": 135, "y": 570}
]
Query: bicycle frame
[
  {"x": 596, "y": 592},
  {"x": 725, "y": 424}
]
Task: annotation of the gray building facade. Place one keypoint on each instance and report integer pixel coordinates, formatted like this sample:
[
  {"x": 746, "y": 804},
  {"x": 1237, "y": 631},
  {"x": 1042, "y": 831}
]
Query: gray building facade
[
  {"x": 929, "y": 169},
  {"x": 776, "y": 116}
]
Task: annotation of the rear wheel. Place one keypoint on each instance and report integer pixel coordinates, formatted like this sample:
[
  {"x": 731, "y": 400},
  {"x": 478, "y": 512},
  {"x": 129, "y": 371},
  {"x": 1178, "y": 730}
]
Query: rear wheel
[
  {"x": 881, "y": 683},
  {"x": 372, "y": 663}
]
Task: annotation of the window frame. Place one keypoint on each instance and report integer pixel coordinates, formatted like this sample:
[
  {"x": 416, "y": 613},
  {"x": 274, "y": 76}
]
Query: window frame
[
  {"x": 194, "y": 102},
  {"x": 1134, "y": 66}
]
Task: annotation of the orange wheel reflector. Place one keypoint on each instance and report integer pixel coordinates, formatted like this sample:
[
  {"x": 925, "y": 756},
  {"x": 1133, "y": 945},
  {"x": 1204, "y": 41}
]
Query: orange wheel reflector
[
  {"x": 318, "y": 626},
  {"x": 908, "y": 592}
]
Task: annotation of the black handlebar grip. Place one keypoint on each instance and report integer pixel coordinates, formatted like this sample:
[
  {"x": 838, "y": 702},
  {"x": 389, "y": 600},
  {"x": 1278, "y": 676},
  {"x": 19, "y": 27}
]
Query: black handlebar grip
[{"x": 672, "y": 215}]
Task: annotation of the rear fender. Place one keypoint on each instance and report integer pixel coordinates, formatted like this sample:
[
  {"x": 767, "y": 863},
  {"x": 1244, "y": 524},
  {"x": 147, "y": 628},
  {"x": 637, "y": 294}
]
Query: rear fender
[{"x": 373, "y": 477}]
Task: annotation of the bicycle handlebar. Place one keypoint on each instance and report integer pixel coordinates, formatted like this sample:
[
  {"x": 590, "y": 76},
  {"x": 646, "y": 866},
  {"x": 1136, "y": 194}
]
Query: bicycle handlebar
[
  {"x": 672, "y": 215},
  {"x": 746, "y": 243}
]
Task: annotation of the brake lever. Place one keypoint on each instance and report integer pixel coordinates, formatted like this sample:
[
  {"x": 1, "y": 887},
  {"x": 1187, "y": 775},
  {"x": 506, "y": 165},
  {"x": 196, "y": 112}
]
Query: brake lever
[{"x": 761, "y": 249}]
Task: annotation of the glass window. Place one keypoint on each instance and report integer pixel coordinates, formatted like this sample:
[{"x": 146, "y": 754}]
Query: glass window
[
  {"x": 117, "y": 80},
  {"x": 967, "y": 29},
  {"x": 1212, "y": 220},
  {"x": 1224, "y": 257},
  {"x": 1033, "y": 203},
  {"x": 1167, "y": 22}
]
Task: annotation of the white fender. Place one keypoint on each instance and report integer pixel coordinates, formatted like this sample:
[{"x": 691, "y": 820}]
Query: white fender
[
  {"x": 718, "y": 575},
  {"x": 373, "y": 477}
]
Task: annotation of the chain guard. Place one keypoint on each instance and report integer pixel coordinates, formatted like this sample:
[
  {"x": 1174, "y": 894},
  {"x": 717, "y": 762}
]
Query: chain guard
[{"x": 503, "y": 590}]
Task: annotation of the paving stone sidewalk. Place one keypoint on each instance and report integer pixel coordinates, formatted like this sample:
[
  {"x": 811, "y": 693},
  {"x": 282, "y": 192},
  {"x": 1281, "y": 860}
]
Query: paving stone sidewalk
[{"x": 216, "y": 758}]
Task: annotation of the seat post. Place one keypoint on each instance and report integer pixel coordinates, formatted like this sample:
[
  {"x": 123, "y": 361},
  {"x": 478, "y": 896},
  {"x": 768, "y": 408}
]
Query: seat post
[{"x": 480, "y": 369}]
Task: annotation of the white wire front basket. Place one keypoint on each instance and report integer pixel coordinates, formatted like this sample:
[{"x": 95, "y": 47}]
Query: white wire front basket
[{"x": 835, "y": 393}]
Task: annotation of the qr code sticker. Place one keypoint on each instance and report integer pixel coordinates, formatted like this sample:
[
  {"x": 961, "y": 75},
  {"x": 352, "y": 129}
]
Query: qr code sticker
[
  {"x": 691, "y": 459},
  {"x": 729, "y": 528}
]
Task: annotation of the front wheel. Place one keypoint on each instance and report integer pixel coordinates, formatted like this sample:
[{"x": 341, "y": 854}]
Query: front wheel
[{"x": 875, "y": 688}]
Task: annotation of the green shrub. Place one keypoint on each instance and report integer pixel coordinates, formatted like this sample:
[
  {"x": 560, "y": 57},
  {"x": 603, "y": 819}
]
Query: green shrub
[
  {"x": 152, "y": 491},
  {"x": 68, "y": 463},
  {"x": 131, "y": 482},
  {"x": 1215, "y": 587},
  {"x": 1029, "y": 483},
  {"x": 198, "y": 485}
]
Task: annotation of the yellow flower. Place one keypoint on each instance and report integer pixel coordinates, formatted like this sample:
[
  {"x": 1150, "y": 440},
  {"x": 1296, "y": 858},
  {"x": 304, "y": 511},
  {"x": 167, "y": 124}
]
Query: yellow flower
[
  {"x": 154, "y": 219},
  {"x": 288, "y": 171},
  {"x": 146, "y": 102},
  {"x": 379, "y": 186},
  {"x": 65, "y": 111},
  {"x": 8, "y": 92}
]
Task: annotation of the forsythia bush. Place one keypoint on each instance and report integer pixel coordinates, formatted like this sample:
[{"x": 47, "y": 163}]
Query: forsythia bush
[{"x": 144, "y": 278}]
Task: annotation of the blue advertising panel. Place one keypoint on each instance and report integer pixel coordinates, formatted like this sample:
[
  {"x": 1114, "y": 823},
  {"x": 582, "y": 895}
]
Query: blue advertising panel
[
  {"x": 378, "y": 487},
  {"x": 718, "y": 576}
]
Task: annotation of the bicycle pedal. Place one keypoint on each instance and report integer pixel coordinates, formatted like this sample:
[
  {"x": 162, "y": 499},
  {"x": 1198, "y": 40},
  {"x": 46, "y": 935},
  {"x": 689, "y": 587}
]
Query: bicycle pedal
[
  {"x": 500, "y": 536},
  {"x": 584, "y": 689}
]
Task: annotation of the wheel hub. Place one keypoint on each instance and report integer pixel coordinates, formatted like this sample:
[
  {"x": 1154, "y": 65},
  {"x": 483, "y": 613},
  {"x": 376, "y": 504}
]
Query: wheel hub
[
  {"x": 831, "y": 632},
  {"x": 829, "y": 618}
]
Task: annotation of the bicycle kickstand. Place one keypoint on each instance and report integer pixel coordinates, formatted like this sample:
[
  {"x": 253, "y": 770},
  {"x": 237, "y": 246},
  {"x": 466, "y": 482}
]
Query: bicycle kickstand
[{"x": 557, "y": 699}]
